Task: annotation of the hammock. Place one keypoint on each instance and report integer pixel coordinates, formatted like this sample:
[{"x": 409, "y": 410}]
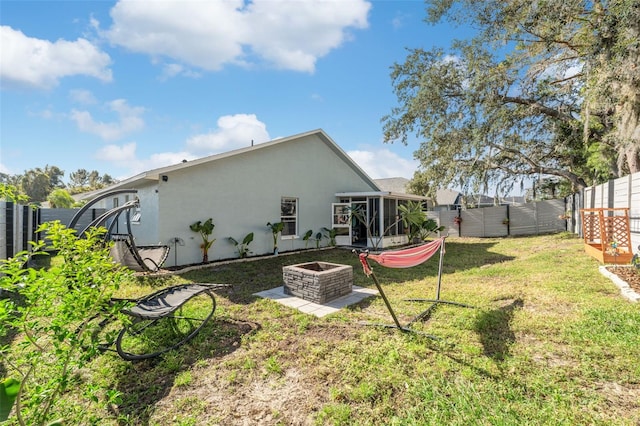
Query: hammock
[{"x": 407, "y": 258}]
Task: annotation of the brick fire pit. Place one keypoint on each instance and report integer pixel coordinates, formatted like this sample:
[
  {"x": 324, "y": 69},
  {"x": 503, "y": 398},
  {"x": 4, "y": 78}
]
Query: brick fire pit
[{"x": 318, "y": 282}]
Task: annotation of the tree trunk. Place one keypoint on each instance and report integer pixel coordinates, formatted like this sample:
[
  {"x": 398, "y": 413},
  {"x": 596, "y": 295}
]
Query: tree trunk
[{"x": 627, "y": 110}]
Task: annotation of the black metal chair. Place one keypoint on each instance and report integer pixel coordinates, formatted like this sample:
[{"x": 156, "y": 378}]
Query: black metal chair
[{"x": 165, "y": 319}]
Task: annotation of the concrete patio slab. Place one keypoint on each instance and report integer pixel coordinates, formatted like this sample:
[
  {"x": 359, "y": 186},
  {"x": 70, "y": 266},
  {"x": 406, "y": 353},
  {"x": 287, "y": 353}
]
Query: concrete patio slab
[{"x": 277, "y": 295}]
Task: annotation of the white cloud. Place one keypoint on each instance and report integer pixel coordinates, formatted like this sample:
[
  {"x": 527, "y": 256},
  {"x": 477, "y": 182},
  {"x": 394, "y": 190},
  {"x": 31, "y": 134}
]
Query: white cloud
[
  {"x": 31, "y": 62},
  {"x": 129, "y": 120},
  {"x": 234, "y": 131},
  {"x": 288, "y": 34},
  {"x": 125, "y": 156},
  {"x": 399, "y": 20},
  {"x": 237, "y": 131},
  {"x": 172, "y": 70},
  {"x": 383, "y": 163},
  {"x": 84, "y": 97},
  {"x": 120, "y": 155}
]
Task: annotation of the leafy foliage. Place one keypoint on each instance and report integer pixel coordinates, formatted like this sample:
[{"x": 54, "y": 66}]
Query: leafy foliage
[
  {"x": 205, "y": 229},
  {"x": 50, "y": 312},
  {"x": 276, "y": 228},
  {"x": 60, "y": 199},
  {"x": 544, "y": 88},
  {"x": 39, "y": 184},
  {"x": 242, "y": 247},
  {"x": 10, "y": 192}
]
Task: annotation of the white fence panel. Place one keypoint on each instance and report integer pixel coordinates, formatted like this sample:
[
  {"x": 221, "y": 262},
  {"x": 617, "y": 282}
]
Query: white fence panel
[
  {"x": 493, "y": 221},
  {"x": 523, "y": 219},
  {"x": 16, "y": 228},
  {"x": 621, "y": 191},
  {"x": 472, "y": 223},
  {"x": 445, "y": 218},
  {"x": 549, "y": 216}
]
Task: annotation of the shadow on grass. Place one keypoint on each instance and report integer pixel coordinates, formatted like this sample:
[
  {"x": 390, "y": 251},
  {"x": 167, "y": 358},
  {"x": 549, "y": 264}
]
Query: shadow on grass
[
  {"x": 252, "y": 276},
  {"x": 145, "y": 383},
  {"x": 494, "y": 329}
]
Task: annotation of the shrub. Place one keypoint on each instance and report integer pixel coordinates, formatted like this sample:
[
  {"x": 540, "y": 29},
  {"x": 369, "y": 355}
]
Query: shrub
[{"x": 48, "y": 319}]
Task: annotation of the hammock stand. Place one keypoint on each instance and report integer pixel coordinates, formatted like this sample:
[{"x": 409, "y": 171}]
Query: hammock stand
[
  {"x": 408, "y": 258},
  {"x": 139, "y": 258}
]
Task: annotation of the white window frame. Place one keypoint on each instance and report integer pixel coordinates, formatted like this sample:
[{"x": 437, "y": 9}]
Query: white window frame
[
  {"x": 289, "y": 218},
  {"x": 340, "y": 215}
]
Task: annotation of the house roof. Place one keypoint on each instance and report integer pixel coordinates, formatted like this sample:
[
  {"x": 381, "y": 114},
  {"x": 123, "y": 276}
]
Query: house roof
[
  {"x": 155, "y": 174},
  {"x": 388, "y": 194},
  {"x": 394, "y": 184},
  {"x": 447, "y": 197}
]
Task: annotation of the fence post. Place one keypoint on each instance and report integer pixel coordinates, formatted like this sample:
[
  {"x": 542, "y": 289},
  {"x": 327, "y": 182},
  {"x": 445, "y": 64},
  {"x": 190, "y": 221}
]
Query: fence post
[{"x": 10, "y": 225}]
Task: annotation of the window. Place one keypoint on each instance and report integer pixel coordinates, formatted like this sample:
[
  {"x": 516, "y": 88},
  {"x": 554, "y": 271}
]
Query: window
[
  {"x": 374, "y": 216},
  {"x": 341, "y": 215},
  {"x": 289, "y": 216},
  {"x": 135, "y": 218}
]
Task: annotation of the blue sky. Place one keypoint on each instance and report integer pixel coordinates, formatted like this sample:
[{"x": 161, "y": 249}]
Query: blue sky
[{"x": 127, "y": 86}]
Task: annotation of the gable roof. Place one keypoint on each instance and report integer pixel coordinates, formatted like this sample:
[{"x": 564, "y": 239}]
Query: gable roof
[
  {"x": 395, "y": 184},
  {"x": 447, "y": 197},
  {"x": 155, "y": 174}
]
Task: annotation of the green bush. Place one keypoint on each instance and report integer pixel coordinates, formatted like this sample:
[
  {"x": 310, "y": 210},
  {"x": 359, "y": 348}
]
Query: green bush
[{"x": 48, "y": 318}]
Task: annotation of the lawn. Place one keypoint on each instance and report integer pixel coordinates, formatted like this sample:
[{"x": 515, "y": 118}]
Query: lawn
[{"x": 549, "y": 341}]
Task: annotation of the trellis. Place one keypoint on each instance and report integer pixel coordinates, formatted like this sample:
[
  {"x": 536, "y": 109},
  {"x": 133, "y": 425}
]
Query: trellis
[{"x": 606, "y": 234}]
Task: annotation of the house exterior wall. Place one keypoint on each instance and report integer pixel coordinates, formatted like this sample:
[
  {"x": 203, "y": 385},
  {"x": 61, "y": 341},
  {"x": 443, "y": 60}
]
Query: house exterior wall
[
  {"x": 146, "y": 231},
  {"x": 243, "y": 192}
]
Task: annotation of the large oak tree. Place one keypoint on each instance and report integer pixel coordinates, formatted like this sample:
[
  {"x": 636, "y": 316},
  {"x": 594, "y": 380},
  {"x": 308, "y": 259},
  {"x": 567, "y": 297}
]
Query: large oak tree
[{"x": 544, "y": 88}]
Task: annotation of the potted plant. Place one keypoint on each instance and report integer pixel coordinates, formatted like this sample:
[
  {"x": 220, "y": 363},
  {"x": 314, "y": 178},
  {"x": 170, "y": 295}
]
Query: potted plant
[
  {"x": 242, "y": 247},
  {"x": 275, "y": 228},
  {"x": 205, "y": 230},
  {"x": 565, "y": 216}
]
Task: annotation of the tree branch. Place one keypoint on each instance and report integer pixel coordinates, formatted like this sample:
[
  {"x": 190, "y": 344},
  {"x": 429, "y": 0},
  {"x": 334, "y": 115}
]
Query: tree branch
[{"x": 538, "y": 106}]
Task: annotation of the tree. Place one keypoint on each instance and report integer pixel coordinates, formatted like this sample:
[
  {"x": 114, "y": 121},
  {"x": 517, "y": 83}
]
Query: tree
[
  {"x": 83, "y": 180},
  {"x": 38, "y": 183},
  {"x": 79, "y": 178},
  {"x": 60, "y": 199},
  {"x": 544, "y": 89}
]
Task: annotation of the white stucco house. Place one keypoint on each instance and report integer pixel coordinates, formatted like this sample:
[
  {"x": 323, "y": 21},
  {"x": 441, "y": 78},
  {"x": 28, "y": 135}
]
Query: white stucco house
[{"x": 305, "y": 181}]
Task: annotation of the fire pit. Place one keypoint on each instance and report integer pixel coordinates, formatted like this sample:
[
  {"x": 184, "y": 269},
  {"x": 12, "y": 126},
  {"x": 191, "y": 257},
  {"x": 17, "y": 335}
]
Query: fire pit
[{"x": 318, "y": 282}]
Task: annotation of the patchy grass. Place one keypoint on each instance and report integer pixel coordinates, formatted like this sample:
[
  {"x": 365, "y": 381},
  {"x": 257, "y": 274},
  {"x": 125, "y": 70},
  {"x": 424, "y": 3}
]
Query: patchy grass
[{"x": 549, "y": 341}]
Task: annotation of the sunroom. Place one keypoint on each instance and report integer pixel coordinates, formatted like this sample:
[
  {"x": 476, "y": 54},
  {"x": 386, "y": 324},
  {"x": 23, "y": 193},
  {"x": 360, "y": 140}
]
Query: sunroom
[{"x": 371, "y": 219}]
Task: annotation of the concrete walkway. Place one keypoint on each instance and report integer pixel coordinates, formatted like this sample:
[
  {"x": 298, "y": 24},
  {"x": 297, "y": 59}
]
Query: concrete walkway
[{"x": 357, "y": 294}]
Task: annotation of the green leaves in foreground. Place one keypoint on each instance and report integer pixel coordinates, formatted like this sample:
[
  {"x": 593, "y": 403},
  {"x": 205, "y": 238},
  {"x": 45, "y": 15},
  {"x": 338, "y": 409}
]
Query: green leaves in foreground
[
  {"x": 49, "y": 319},
  {"x": 9, "y": 389}
]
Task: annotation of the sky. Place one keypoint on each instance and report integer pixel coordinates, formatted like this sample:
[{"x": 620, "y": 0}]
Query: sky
[{"x": 123, "y": 87}]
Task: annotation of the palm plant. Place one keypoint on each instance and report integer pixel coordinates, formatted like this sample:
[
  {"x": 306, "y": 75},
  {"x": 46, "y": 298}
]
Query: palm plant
[
  {"x": 242, "y": 247},
  {"x": 275, "y": 228},
  {"x": 205, "y": 230}
]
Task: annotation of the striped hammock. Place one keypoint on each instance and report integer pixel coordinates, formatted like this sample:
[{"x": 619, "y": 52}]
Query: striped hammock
[{"x": 405, "y": 258}]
